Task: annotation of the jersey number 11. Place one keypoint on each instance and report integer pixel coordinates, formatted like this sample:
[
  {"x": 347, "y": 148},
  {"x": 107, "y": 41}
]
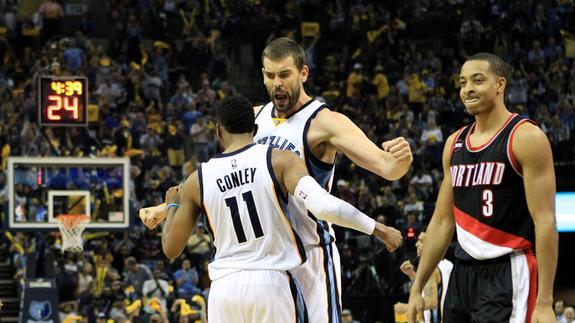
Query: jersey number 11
[{"x": 232, "y": 203}]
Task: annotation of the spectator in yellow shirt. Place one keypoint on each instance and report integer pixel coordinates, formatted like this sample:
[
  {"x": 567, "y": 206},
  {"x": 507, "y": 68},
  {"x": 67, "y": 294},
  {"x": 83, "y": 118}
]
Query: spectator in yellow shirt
[
  {"x": 354, "y": 81},
  {"x": 380, "y": 82},
  {"x": 416, "y": 93}
]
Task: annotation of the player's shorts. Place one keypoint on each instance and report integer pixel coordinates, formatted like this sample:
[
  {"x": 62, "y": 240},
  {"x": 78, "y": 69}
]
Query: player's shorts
[
  {"x": 255, "y": 296},
  {"x": 320, "y": 281},
  {"x": 495, "y": 290}
]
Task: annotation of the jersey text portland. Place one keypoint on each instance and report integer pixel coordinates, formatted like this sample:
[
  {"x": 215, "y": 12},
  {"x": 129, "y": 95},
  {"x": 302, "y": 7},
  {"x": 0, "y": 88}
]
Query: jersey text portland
[{"x": 490, "y": 206}]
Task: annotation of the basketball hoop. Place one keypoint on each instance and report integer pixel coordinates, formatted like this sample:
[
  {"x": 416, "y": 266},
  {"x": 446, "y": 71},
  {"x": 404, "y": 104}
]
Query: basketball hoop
[{"x": 71, "y": 227}]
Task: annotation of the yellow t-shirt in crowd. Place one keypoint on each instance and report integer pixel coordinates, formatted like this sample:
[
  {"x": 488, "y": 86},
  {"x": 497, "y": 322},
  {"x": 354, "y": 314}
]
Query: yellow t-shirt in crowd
[
  {"x": 353, "y": 80},
  {"x": 380, "y": 81}
]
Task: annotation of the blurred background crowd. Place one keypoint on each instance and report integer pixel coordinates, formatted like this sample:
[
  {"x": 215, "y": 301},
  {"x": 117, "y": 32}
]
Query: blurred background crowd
[{"x": 157, "y": 70}]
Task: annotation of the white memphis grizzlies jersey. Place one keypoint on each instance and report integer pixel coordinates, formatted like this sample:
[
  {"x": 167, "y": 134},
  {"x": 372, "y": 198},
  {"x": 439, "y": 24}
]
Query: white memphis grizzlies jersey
[
  {"x": 291, "y": 134},
  {"x": 247, "y": 214}
]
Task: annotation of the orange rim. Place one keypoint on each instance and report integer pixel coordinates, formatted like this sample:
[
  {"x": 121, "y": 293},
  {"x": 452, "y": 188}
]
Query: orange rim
[{"x": 70, "y": 221}]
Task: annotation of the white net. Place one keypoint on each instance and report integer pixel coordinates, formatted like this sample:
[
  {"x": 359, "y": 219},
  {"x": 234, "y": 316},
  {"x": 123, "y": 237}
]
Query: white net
[{"x": 71, "y": 227}]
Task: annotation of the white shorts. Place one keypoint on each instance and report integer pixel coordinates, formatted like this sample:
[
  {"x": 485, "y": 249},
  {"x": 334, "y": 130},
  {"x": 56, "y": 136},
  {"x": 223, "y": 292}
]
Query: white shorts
[
  {"x": 320, "y": 281},
  {"x": 256, "y": 296}
]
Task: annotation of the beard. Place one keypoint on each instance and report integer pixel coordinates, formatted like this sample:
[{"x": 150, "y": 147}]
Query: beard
[{"x": 291, "y": 99}]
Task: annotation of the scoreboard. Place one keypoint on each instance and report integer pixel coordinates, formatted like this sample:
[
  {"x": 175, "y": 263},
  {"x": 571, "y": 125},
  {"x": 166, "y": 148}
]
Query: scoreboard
[{"x": 63, "y": 101}]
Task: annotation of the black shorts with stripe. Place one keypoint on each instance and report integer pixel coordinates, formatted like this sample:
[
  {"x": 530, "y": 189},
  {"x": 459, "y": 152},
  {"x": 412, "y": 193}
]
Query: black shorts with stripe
[{"x": 494, "y": 290}]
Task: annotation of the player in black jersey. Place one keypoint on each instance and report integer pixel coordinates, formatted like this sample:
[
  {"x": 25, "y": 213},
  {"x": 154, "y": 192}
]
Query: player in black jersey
[{"x": 498, "y": 193}]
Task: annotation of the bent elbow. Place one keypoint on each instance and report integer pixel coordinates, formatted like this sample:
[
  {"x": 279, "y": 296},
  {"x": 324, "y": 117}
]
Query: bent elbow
[
  {"x": 170, "y": 251},
  {"x": 392, "y": 172},
  {"x": 393, "y": 177}
]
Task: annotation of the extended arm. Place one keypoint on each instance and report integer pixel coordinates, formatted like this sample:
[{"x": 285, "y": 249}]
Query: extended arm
[
  {"x": 429, "y": 297},
  {"x": 430, "y": 291},
  {"x": 533, "y": 152},
  {"x": 441, "y": 228},
  {"x": 181, "y": 220},
  {"x": 293, "y": 174},
  {"x": 341, "y": 133}
]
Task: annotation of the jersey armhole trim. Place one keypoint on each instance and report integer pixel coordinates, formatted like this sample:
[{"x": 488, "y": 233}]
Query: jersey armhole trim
[
  {"x": 310, "y": 157},
  {"x": 510, "y": 156},
  {"x": 263, "y": 106},
  {"x": 277, "y": 186},
  {"x": 203, "y": 205},
  {"x": 455, "y": 141}
]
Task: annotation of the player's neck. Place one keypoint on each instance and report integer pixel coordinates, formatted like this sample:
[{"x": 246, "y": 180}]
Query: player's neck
[
  {"x": 238, "y": 142},
  {"x": 303, "y": 99},
  {"x": 492, "y": 120}
]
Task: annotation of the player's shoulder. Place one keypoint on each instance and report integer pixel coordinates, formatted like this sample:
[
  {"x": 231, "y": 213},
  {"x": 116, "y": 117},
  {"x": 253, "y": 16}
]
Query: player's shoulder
[
  {"x": 453, "y": 136},
  {"x": 193, "y": 180},
  {"x": 527, "y": 131},
  {"x": 282, "y": 160},
  {"x": 329, "y": 118},
  {"x": 191, "y": 188},
  {"x": 258, "y": 109},
  {"x": 528, "y": 141},
  {"x": 283, "y": 156}
]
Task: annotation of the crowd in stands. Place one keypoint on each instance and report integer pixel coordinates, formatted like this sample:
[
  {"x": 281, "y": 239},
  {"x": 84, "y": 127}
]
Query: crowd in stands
[{"x": 162, "y": 68}]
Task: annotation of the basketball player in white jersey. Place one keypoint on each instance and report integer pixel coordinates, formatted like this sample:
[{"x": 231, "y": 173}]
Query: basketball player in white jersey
[
  {"x": 435, "y": 289},
  {"x": 294, "y": 121},
  {"x": 243, "y": 193}
]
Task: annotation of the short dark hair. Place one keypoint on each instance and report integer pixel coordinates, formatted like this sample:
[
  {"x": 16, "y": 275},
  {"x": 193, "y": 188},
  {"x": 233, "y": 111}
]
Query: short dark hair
[
  {"x": 236, "y": 114},
  {"x": 283, "y": 47},
  {"x": 496, "y": 65}
]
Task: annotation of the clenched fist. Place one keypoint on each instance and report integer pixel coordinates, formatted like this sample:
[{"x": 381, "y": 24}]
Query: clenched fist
[
  {"x": 399, "y": 149},
  {"x": 390, "y": 236},
  {"x": 408, "y": 269},
  {"x": 153, "y": 215}
]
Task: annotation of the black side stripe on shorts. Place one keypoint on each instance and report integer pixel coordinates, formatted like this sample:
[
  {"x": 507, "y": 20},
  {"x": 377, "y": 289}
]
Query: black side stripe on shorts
[
  {"x": 298, "y": 300},
  {"x": 337, "y": 300},
  {"x": 331, "y": 285}
]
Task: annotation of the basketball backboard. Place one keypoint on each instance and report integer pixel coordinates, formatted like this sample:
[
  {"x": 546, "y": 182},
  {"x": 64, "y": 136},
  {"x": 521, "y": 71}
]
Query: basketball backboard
[{"x": 41, "y": 189}]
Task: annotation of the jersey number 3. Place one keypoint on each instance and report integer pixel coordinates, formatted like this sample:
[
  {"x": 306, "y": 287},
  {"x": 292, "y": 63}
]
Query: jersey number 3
[
  {"x": 487, "y": 204},
  {"x": 232, "y": 203}
]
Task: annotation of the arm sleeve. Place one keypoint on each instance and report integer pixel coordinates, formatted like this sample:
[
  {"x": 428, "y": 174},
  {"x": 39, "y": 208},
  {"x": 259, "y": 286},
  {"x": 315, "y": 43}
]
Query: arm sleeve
[{"x": 329, "y": 208}]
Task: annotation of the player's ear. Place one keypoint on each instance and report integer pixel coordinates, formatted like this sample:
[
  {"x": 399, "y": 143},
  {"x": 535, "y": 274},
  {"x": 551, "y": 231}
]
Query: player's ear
[
  {"x": 255, "y": 129},
  {"x": 304, "y": 73},
  {"x": 501, "y": 83}
]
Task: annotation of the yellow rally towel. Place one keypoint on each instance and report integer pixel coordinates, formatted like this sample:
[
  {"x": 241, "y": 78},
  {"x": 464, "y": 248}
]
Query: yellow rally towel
[
  {"x": 155, "y": 304},
  {"x": 199, "y": 300},
  {"x": 133, "y": 307},
  {"x": 72, "y": 319}
]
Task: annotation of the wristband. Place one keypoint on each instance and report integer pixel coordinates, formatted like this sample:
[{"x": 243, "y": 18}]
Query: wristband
[{"x": 172, "y": 204}]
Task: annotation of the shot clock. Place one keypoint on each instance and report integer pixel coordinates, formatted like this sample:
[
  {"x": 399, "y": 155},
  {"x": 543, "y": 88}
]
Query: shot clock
[{"x": 63, "y": 101}]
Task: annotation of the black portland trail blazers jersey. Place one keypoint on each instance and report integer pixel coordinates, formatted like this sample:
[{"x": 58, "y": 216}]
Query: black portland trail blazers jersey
[{"x": 490, "y": 207}]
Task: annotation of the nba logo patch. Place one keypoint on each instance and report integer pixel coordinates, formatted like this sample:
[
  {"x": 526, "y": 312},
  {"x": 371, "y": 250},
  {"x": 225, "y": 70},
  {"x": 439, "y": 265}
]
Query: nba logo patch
[
  {"x": 234, "y": 163},
  {"x": 458, "y": 145}
]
